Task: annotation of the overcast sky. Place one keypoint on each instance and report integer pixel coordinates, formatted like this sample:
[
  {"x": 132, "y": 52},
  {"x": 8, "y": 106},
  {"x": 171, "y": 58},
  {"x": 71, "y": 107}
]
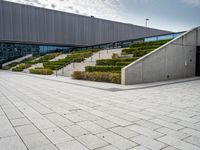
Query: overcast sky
[{"x": 173, "y": 15}]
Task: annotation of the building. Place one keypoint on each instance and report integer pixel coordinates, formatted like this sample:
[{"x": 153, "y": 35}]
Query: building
[{"x": 27, "y": 29}]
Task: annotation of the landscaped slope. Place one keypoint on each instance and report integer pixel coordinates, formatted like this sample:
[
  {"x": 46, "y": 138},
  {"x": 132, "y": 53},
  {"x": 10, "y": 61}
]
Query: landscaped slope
[
  {"x": 109, "y": 70},
  {"x": 90, "y": 61},
  {"x": 53, "y": 65}
]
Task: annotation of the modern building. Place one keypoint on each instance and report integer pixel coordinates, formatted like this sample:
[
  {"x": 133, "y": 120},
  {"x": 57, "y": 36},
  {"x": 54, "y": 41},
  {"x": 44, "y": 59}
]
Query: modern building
[{"x": 26, "y": 29}]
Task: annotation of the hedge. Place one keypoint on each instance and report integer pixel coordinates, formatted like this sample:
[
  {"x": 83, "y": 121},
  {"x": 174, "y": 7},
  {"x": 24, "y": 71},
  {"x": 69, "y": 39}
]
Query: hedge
[
  {"x": 112, "y": 62},
  {"x": 141, "y": 53},
  {"x": 124, "y": 63},
  {"x": 56, "y": 65},
  {"x": 103, "y": 68},
  {"x": 84, "y": 51},
  {"x": 10, "y": 66},
  {"x": 83, "y": 55},
  {"x": 75, "y": 57},
  {"x": 48, "y": 57},
  {"x": 42, "y": 71},
  {"x": 98, "y": 76},
  {"x": 21, "y": 67},
  {"x": 161, "y": 42},
  {"x": 131, "y": 50},
  {"x": 27, "y": 61}
]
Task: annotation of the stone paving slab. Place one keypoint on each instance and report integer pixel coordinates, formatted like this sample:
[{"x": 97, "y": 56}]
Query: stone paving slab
[
  {"x": 40, "y": 113},
  {"x": 92, "y": 142},
  {"x": 12, "y": 143}
]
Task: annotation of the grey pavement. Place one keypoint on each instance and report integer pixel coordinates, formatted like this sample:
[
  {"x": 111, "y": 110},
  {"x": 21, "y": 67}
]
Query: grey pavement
[{"x": 49, "y": 113}]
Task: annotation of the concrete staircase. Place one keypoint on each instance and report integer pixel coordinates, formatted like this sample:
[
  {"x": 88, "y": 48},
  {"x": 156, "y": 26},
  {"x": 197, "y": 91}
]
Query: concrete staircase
[
  {"x": 62, "y": 56},
  {"x": 40, "y": 65},
  {"x": 91, "y": 61}
]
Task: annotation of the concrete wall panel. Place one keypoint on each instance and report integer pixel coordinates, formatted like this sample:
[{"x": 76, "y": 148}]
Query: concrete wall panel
[
  {"x": 150, "y": 66},
  {"x": 175, "y": 61},
  {"x": 22, "y": 23},
  {"x": 190, "y": 57}
]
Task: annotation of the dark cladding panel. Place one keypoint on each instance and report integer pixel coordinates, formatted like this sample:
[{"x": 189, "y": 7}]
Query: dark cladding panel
[
  {"x": 1, "y": 22},
  {"x": 7, "y": 21},
  {"x": 22, "y": 23},
  {"x": 17, "y": 23},
  {"x": 42, "y": 25}
]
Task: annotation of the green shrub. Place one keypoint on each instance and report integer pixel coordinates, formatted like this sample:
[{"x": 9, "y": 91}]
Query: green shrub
[
  {"x": 141, "y": 53},
  {"x": 84, "y": 51},
  {"x": 17, "y": 69},
  {"x": 48, "y": 57},
  {"x": 42, "y": 71},
  {"x": 124, "y": 63},
  {"x": 112, "y": 62},
  {"x": 132, "y": 50},
  {"x": 115, "y": 56},
  {"x": 80, "y": 55},
  {"x": 29, "y": 60},
  {"x": 103, "y": 68},
  {"x": 10, "y": 66},
  {"x": 98, "y": 76},
  {"x": 159, "y": 43},
  {"x": 21, "y": 67},
  {"x": 72, "y": 58},
  {"x": 53, "y": 67}
]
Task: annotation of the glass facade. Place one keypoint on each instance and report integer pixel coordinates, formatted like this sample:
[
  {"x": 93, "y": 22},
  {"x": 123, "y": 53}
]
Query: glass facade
[
  {"x": 10, "y": 51},
  {"x": 162, "y": 37},
  {"x": 124, "y": 44}
]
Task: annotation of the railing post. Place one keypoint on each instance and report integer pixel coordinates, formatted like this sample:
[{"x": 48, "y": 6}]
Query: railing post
[
  {"x": 63, "y": 71},
  {"x": 99, "y": 55}
]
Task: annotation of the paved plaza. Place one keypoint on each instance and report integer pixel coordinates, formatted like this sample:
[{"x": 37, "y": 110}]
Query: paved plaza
[{"x": 49, "y": 113}]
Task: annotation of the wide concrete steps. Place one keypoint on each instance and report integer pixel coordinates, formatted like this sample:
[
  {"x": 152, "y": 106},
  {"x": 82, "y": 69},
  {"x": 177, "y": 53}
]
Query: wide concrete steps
[
  {"x": 91, "y": 61},
  {"x": 61, "y": 56}
]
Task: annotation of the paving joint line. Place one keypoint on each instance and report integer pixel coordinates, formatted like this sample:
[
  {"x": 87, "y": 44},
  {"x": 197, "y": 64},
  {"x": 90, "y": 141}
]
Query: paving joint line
[{"x": 112, "y": 89}]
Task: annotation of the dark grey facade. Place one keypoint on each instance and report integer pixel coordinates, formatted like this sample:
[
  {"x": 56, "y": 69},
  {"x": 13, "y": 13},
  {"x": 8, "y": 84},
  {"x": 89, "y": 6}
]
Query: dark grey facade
[{"x": 33, "y": 25}]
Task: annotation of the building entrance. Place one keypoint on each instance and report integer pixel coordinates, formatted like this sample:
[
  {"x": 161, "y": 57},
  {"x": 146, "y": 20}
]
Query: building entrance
[{"x": 198, "y": 62}]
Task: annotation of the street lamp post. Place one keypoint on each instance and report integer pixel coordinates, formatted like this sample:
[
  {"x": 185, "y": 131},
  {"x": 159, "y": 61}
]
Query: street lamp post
[
  {"x": 146, "y": 22},
  {"x": 147, "y": 29}
]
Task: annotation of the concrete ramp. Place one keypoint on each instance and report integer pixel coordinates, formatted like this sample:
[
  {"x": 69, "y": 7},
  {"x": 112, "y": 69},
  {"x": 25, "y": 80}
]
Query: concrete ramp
[
  {"x": 17, "y": 60},
  {"x": 176, "y": 59}
]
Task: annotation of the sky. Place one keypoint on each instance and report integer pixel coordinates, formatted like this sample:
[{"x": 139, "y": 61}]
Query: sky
[{"x": 171, "y": 15}]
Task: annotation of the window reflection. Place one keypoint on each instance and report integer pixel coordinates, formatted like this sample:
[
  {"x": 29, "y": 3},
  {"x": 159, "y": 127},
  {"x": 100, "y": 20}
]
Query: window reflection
[{"x": 10, "y": 51}]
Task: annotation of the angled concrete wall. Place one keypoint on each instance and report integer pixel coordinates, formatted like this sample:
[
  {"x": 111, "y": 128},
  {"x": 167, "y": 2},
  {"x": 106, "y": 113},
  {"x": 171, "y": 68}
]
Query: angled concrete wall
[{"x": 176, "y": 59}]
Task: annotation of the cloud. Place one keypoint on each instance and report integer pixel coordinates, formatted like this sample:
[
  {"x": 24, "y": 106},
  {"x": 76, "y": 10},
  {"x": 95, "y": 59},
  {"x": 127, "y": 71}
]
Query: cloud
[
  {"x": 192, "y": 2},
  {"x": 107, "y": 9}
]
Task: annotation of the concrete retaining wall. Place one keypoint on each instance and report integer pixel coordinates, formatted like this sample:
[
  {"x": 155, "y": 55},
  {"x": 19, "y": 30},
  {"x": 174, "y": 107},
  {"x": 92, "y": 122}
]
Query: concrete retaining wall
[
  {"x": 176, "y": 59},
  {"x": 17, "y": 60}
]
